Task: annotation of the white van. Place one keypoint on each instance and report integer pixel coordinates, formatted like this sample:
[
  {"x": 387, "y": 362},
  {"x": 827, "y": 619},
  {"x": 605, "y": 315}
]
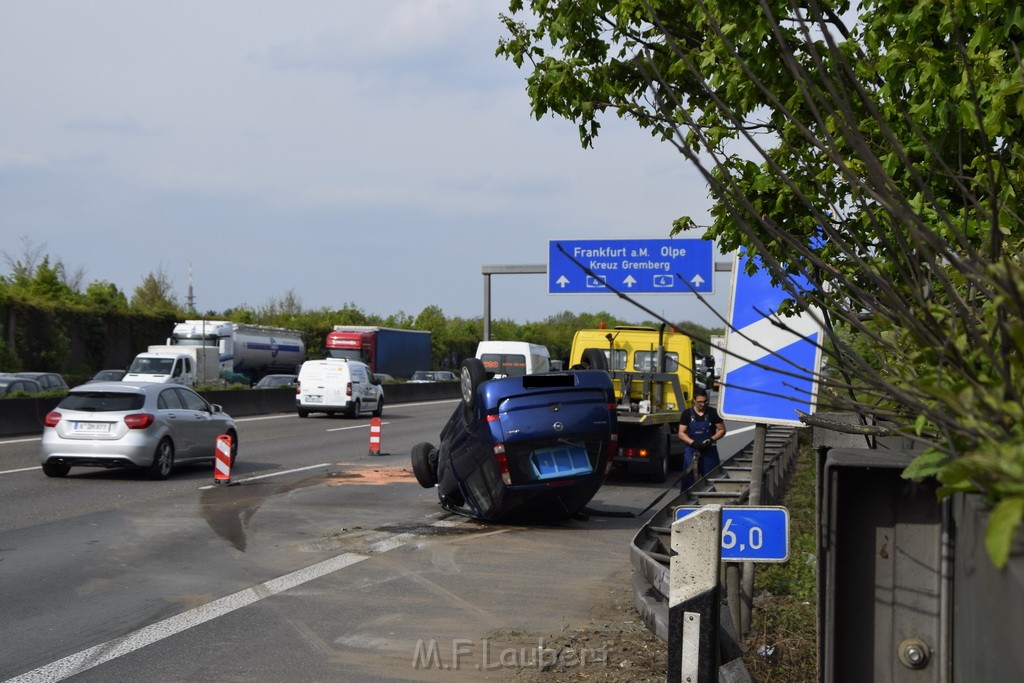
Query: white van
[
  {"x": 511, "y": 358},
  {"x": 338, "y": 385}
]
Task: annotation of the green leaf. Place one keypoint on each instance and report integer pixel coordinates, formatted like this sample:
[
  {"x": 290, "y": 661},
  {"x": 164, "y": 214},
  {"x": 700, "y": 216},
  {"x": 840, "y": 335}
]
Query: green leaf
[
  {"x": 1002, "y": 526},
  {"x": 925, "y": 465}
]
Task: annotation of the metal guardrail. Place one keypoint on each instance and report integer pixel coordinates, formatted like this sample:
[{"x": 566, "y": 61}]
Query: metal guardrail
[{"x": 727, "y": 484}]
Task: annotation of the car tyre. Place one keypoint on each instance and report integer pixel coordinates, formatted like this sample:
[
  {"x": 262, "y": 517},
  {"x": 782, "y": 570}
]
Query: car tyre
[
  {"x": 659, "y": 470},
  {"x": 471, "y": 374},
  {"x": 234, "y": 446},
  {"x": 594, "y": 359},
  {"x": 303, "y": 413},
  {"x": 426, "y": 474},
  {"x": 380, "y": 408},
  {"x": 56, "y": 470},
  {"x": 163, "y": 461}
]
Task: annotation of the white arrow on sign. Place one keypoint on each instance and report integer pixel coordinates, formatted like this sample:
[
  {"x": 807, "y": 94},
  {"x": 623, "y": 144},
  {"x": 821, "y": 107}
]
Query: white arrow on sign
[
  {"x": 629, "y": 281},
  {"x": 748, "y": 344},
  {"x": 562, "y": 281},
  {"x": 697, "y": 280}
]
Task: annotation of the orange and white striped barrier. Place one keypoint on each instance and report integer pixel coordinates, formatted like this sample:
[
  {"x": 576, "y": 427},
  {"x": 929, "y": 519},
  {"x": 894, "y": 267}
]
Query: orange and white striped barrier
[
  {"x": 222, "y": 463},
  {"x": 375, "y": 436}
]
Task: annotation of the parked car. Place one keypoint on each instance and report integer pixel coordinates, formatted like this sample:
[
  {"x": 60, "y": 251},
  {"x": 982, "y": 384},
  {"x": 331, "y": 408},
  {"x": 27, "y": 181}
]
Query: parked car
[
  {"x": 338, "y": 385},
  {"x": 421, "y": 376},
  {"x": 524, "y": 447},
  {"x": 133, "y": 424},
  {"x": 108, "y": 376},
  {"x": 11, "y": 384},
  {"x": 49, "y": 381},
  {"x": 383, "y": 377},
  {"x": 276, "y": 381}
]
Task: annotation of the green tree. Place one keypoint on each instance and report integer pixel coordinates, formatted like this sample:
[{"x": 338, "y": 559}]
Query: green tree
[
  {"x": 105, "y": 296},
  {"x": 155, "y": 294},
  {"x": 884, "y": 166}
]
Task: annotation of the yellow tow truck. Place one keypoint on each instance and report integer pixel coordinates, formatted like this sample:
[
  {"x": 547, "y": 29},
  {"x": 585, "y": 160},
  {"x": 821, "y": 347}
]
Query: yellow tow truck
[{"x": 653, "y": 377}]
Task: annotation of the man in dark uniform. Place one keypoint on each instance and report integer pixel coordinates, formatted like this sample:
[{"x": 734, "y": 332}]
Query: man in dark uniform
[{"x": 699, "y": 428}]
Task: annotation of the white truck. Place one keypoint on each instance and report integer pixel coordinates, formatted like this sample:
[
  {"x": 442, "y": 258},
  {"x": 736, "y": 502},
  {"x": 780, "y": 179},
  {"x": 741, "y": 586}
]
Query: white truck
[
  {"x": 249, "y": 350},
  {"x": 191, "y": 366}
]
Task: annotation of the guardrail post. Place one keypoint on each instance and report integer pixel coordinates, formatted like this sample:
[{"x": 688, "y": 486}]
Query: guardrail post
[
  {"x": 756, "y": 480},
  {"x": 694, "y": 597}
]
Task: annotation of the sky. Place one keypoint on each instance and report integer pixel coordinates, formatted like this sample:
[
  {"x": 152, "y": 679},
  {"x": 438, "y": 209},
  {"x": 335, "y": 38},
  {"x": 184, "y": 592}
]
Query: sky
[{"x": 375, "y": 154}]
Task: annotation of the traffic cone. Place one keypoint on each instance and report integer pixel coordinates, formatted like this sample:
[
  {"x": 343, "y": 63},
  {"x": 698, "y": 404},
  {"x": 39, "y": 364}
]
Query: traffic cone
[
  {"x": 374, "y": 436},
  {"x": 222, "y": 463}
]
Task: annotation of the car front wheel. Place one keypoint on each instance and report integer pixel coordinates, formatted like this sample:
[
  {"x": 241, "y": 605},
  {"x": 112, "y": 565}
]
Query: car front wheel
[
  {"x": 422, "y": 467},
  {"x": 163, "y": 460}
]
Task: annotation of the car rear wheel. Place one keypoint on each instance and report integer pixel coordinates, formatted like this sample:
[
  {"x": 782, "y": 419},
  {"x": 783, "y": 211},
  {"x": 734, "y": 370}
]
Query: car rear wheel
[
  {"x": 594, "y": 359},
  {"x": 425, "y": 472},
  {"x": 472, "y": 374},
  {"x": 303, "y": 413},
  {"x": 52, "y": 469},
  {"x": 163, "y": 461},
  {"x": 380, "y": 408}
]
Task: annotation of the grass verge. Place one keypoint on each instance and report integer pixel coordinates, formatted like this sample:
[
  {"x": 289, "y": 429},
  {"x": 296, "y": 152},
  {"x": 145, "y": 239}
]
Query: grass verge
[{"x": 782, "y": 642}]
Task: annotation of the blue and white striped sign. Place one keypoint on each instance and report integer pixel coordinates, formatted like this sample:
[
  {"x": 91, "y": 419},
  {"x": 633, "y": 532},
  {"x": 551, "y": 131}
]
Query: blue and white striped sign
[{"x": 770, "y": 372}]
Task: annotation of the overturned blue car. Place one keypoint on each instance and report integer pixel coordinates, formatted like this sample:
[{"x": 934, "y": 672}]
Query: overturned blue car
[{"x": 530, "y": 448}]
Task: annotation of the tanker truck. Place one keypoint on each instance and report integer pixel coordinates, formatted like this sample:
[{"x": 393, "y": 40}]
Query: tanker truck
[{"x": 251, "y": 351}]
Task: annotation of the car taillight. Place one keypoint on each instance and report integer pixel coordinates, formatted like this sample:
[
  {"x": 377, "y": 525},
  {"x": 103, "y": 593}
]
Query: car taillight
[
  {"x": 138, "y": 420},
  {"x": 635, "y": 452},
  {"x": 502, "y": 460},
  {"x": 348, "y": 389},
  {"x": 52, "y": 418},
  {"x": 298, "y": 387},
  {"x": 613, "y": 448}
]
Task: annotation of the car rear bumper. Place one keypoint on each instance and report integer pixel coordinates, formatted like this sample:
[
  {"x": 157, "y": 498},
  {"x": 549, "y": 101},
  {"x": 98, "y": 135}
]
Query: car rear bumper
[{"x": 96, "y": 454}]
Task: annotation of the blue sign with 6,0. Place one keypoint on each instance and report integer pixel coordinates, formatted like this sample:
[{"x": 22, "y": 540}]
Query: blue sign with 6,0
[{"x": 751, "y": 534}]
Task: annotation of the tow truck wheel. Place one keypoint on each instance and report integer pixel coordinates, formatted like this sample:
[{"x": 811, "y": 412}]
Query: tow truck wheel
[
  {"x": 426, "y": 475},
  {"x": 659, "y": 463},
  {"x": 594, "y": 359}
]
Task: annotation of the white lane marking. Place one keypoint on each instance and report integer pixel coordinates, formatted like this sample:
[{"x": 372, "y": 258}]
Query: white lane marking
[
  {"x": 99, "y": 654},
  {"x": 268, "y": 475},
  {"x": 731, "y": 432},
  {"x": 23, "y": 469},
  {"x": 33, "y": 438},
  {"x": 365, "y": 426},
  {"x": 94, "y": 656}
]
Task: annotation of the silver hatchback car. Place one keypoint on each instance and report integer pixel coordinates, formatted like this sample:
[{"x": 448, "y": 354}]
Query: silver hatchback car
[{"x": 133, "y": 424}]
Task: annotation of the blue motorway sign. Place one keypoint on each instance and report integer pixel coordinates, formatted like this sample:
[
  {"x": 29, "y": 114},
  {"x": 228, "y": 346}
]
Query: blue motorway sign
[
  {"x": 771, "y": 363},
  {"x": 630, "y": 266},
  {"x": 751, "y": 534}
]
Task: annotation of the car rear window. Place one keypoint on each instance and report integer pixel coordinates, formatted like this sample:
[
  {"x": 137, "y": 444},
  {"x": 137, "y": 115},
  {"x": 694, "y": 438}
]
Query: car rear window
[{"x": 102, "y": 401}]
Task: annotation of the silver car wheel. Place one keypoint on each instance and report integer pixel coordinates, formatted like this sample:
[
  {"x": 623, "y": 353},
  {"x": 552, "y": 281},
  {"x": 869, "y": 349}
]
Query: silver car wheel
[{"x": 163, "y": 460}]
